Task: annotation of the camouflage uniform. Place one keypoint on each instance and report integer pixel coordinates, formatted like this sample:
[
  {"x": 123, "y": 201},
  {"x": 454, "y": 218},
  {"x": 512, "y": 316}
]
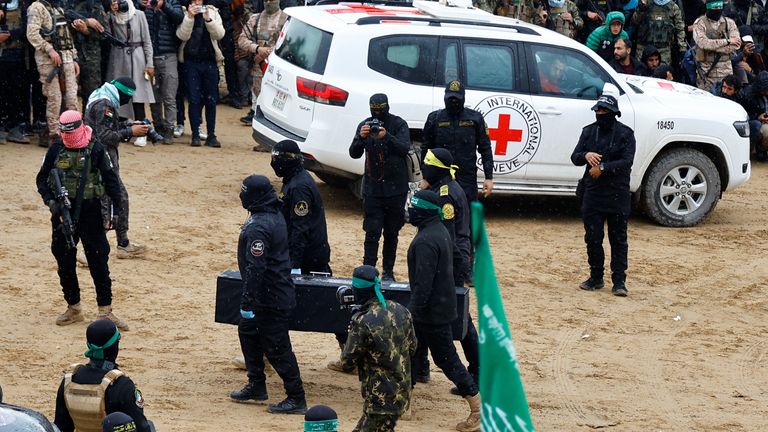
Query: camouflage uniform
[
  {"x": 713, "y": 43},
  {"x": 89, "y": 47},
  {"x": 660, "y": 26},
  {"x": 47, "y": 29},
  {"x": 261, "y": 30},
  {"x": 556, "y": 23},
  {"x": 381, "y": 343},
  {"x": 518, "y": 9}
]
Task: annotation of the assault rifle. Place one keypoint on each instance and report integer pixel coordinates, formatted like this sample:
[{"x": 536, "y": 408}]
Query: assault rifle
[
  {"x": 72, "y": 15},
  {"x": 65, "y": 206},
  {"x": 52, "y": 74}
]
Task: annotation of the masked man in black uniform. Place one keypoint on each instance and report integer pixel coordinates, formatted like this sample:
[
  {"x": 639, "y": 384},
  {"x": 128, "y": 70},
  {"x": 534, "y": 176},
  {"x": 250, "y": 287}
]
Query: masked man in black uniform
[
  {"x": 87, "y": 174},
  {"x": 268, "y": 300},
  {"x": 463, "y": 132},
  {"x": 90, "y": 391},
  {"x": 607, "y": 148},
  {"x": 433, "y": 298},
  {"x": 385, "y": 140}
]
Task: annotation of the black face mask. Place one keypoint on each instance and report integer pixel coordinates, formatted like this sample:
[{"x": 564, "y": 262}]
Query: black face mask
[
  {"x": 605, "y": 121},
  {"x": 124, "y": 98},
  {"x": 714, "y": 14},
  {"x": 380, "y": 114},
  {"x": 417, "y": 216},
  {"x": 454, "y": 105},
  {"x": 433, "y": 174},
  {"x": 284, "y": 166}
]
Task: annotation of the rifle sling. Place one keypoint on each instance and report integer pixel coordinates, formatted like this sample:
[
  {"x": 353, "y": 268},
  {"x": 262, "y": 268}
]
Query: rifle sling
[{"x": 81, "y": 186}]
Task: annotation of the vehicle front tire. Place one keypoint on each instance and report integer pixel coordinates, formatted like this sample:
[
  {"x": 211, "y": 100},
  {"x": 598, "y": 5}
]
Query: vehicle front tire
[{"x": 682, "y": 187}]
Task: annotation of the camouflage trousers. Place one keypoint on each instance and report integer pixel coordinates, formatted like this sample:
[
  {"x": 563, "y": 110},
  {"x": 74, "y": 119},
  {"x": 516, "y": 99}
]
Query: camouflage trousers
[
  {"x": 376, "y": 423},
  {"x": 256, "y": 77},
  {"x": 90, "y": 69},
  {"x": 706, "y": 78},
  {"x": 53, "y": 91},
  {"x": 117, "y": 216},
  {"x": 664, "y": 53}
]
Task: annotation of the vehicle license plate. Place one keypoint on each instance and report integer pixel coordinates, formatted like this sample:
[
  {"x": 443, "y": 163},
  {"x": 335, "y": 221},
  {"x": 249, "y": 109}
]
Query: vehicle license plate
[{"x": 278, "y": 102}]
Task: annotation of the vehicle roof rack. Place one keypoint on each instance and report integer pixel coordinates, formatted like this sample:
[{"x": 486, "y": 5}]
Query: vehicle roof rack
[{"x": 436, "y": 21}]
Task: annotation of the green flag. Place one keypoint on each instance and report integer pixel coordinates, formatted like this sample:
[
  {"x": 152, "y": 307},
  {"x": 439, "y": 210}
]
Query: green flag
[{"x": 504, "y": 407}]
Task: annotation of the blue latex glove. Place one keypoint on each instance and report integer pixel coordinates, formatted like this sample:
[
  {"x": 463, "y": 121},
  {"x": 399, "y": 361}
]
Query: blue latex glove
[
  {"x": 247, "y": 314},
  {"x": 295, "y": 271}
]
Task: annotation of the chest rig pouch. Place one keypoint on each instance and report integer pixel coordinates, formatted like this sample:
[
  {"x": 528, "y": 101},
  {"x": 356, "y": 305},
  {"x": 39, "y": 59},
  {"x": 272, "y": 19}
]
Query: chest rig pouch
[
  {"x": 58, "y": 35},
  {"x": 86, "y": 402},
  {"x": 12, "y": 21},
  {"x": 659, "y": 31},
  {"x": 720, "y": 32},
  {"x": 75, "y": 165}
]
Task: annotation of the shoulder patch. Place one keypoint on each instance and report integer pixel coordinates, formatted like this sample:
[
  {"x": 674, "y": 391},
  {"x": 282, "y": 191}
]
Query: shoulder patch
[
  {"x": 443, "y": 124},
  {"x": 257, "y": 248},
  {"x": 464, "y": 123},
  {"x": 301, "y": 208},
  {"x": 448, "y": 211},
  {"x": 139, "y": 399},
  {"x": 444, "y": 190}
]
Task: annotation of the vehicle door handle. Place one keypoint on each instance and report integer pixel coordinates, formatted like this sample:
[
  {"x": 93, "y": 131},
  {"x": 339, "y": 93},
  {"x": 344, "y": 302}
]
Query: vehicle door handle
[{"x": 550, "y": 111}]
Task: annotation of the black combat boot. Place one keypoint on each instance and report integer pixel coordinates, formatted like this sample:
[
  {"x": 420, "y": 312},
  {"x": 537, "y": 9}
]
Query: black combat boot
[
  {"x": 591, "y": 284},
  {"x": 619, "y": 289},
  {"x": 288, "y": 406},
  {"x": 388, "y": 276},
  {"x": 251, "y": 392},
  {"x": 43, "y": 139}
]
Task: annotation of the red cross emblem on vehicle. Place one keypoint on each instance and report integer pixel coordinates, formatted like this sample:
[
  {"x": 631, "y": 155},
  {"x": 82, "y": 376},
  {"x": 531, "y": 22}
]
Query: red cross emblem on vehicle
[{"x": 503, "y": 135}]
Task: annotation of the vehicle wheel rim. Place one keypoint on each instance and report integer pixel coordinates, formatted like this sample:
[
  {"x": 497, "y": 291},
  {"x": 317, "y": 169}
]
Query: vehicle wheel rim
[{"x": 683, "y": 190}]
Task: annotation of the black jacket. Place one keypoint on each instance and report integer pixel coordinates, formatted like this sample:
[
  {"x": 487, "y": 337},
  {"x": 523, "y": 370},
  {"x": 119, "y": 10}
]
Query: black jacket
[
  {"x": 639, "y": 67},
  {"x": 99, "y": 162},
  {"x": 464, "y": 136},
  {"x": 304, "y": 214},
  {"x": 121, "y": 396},
  {"x": 753, "y": 101},
  {"x": 453, "y": 201},
  {"x": 430, "y": 274},
  {"x": 386, "y": 172},
  {"x": 264, "y": 262},
  {"x": 162, "y": 27},
  {"x": 609, "y": 192},
  {"x": 108, "y": 129}
]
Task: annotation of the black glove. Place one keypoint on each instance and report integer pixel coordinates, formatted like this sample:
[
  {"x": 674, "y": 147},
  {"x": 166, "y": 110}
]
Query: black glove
[{"x": 54, "y": 207}]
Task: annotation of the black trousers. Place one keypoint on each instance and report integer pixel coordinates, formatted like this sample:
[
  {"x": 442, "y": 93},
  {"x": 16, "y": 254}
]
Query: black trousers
[
  {"x": 469, "y": 345},
  {"x": 387, "y": 215},
  {"x": 90, "y": 232},
  {"x": 14, "y": 94},
  {"x": 594, "y": 222},
  {"x": 439, "y": 340},
  {"x": 227, "y": 44},
  {"x": 267, "y": 334}
]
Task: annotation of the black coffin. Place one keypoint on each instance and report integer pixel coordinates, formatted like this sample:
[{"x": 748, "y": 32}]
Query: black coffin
[{"x": 317, "y": 309}]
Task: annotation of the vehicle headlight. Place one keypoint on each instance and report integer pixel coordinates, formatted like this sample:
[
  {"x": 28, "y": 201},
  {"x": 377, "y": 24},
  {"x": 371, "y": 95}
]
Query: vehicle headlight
[{"x": 742, "y": 128}]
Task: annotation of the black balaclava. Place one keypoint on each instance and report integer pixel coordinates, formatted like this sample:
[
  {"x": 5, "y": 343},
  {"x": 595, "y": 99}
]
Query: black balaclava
[
  {"x": 118, "y": 422},
  {"x": 454, "y": 97},
  {"x": 433, "y": 173},
  {"x": 321, "y": 418},
  {"x": 605, "y": 121},
  {"x": 379, "y": 105},
  {"x": 256, "y": 191},
  {"x": 103, "y": 340},
  {"x": 364, "y": 281},
  {"x": 125, "y": 89},
  {"x": 714, "y": 14},
  {"x": 423, "y": 207},
  {"x": 286, "y": 158}
]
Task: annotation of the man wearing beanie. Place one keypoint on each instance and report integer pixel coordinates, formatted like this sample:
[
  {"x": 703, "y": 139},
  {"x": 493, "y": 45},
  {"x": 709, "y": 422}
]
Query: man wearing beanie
[
  {"x": 380, "y": 344},
  {"x": 86, "y": 172},
  {"x": 118, "y": 422},
  {"x": 101, "y": 114},
  {"x": 89, "y": 392},
  {"x": 385, "y": 140},
  {"x": 716, "y": 38},
  {"x": 321, "y": 418},
  {"x": 268, "y": 299},
  {"x": 433, "y": 298}
]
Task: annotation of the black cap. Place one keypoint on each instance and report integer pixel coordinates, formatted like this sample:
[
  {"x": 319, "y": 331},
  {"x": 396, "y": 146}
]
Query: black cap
[
  {"x": 428, "y": 195},
  {"x": 608, "y": 102},
  {"x": 125, "y": 85},
  {"x": 366, "y": 272},
  {"x": 454, "y": 89},
  {"x": 443, "y": 155},
  {"x": 321, "y": 418},
  {"x": 378, "y": 102},
  {"x": 287, "y": 146},
  {"x": 256, "y": 190},
  {"x": 118, "y": 422}
]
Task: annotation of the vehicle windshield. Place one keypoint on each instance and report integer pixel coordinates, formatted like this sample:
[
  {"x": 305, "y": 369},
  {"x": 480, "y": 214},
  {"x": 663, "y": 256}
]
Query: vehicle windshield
[{"x": 304, "y": 46}]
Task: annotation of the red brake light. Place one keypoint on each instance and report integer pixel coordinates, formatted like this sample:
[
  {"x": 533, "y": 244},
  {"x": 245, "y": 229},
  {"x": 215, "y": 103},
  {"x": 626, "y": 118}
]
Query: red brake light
[
  {"x": 320, "y": 92},
  {"x": 264, "y": 65}
]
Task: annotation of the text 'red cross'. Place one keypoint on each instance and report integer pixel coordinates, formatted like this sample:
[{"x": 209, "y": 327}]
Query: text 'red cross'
[{"x": 504, "y": 135}]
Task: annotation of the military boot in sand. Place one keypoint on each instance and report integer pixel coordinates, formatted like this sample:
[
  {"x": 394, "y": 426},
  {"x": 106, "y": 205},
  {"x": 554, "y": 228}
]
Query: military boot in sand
[
  {"x": 472, "y": 423},
  {"x": 73, "y": 314},
  {"x": 105, "y": 312},
  {"x": 337, "y": 366}
]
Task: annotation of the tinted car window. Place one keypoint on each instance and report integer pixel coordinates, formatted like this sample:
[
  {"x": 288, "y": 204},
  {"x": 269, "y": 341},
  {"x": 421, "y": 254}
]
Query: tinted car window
[
  {"x": 489, "y": 67},
  {"x": 304, "y": 46},
  {"x": 566, "y": 73},
  {"x": 450, "y": 65},
  {"x": 406, "y": 58}
]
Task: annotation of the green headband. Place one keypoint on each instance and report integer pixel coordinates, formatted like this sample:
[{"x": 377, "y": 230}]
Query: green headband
[
  {"x": 127, "y": 90},
  {"x": 97, "y": 352},
  {"x": 321, "y": 426},
  {"x": 426, "y": 205},
  {"x": 376, "y": 284},
  {"x": 715, "y": 4}
]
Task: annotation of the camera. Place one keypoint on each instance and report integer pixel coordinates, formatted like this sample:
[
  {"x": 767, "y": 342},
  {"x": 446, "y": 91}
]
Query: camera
[
  {"x": 346, "y": 298},
  {"x": 152, "y": 133},
  {"x": 203, "y": 8},
  {"x": 375, "y": 125}
]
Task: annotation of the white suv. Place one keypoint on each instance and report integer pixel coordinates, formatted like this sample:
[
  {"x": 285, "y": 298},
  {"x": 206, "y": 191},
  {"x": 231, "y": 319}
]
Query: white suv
[{"x": 329, "y": 59}]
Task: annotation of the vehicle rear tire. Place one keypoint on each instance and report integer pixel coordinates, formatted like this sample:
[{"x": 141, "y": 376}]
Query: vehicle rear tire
[
  {"x": 334, "y": 180},
  {"x": 681, "y": 188}
]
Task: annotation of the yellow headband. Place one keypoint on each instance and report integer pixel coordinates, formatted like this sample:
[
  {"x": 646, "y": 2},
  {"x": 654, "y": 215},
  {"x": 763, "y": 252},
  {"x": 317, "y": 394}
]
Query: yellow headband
[{"x": 431, "y": 159}]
